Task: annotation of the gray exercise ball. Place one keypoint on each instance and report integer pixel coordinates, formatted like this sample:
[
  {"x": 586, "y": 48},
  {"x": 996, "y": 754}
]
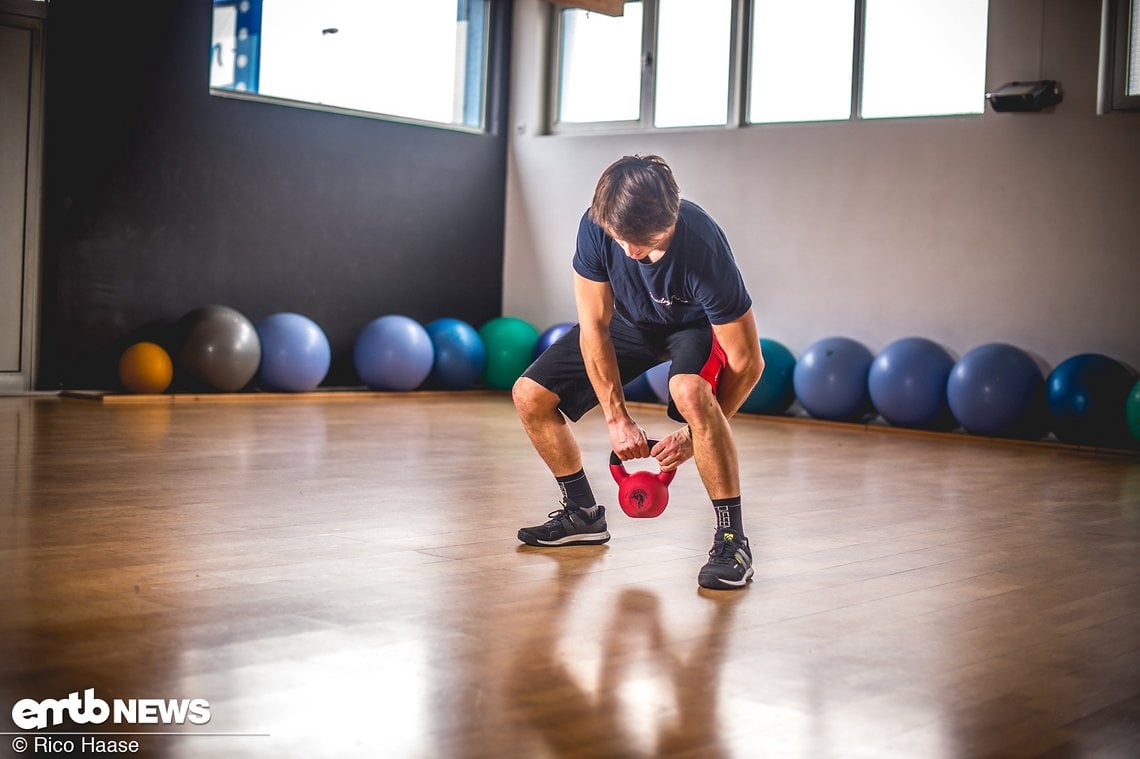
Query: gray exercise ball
[{"x": 221, "y": 348}]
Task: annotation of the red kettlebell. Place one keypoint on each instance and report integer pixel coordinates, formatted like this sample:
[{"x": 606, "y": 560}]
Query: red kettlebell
[{"x": 641, "y": 495}]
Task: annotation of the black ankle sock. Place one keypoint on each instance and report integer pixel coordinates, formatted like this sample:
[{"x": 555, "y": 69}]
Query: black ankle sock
[
  {"x": 727, "y": 512},
  {"x": 576, "y": 490}
]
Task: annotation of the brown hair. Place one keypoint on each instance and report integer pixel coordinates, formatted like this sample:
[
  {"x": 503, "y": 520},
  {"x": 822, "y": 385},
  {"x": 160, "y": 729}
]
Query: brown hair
[{"x": 636, "y": 198}]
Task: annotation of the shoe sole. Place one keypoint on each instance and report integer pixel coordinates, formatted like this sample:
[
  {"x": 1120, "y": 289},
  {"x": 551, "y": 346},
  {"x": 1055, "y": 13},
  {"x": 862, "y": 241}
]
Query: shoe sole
[
  {"x": 719, "y": 583},
  {"x": 595, "y": 538}
]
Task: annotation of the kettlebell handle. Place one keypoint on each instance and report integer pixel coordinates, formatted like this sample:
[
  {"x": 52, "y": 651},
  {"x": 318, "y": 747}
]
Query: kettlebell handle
[
  {"x": 615, "y": 461},
  {"x": 617, "y": 468}
]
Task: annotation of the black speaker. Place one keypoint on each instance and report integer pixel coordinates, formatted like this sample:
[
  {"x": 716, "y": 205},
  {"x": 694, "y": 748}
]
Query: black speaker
[{"x": 1025, "y": 96}]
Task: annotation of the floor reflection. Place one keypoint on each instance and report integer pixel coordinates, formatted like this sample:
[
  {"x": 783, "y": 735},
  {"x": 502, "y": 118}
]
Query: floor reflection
[{"x": 634, "y": 693}]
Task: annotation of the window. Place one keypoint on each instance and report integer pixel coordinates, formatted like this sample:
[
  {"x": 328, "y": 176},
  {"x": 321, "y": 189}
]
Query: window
[
  {"x": 675, "y": 63},
  {"x": 693, "y": 43},
  {"x": 1132, "y": 59},
  {"x": 924, "y": 59},
  {"x": 594, "y": 86},
  {"x": 1120, "y": 56},
  {"x": 664, "y": 63},
  {"x": 801, "y": 60},
  {"x": 421, "y": 61}
]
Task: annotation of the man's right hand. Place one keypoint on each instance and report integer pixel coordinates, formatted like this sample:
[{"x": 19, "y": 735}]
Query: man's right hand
[{"x": 628, "y": 440}]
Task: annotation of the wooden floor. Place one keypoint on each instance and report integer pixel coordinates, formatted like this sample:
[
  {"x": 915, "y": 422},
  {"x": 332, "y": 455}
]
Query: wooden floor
[{"x": 340, "y": 578}]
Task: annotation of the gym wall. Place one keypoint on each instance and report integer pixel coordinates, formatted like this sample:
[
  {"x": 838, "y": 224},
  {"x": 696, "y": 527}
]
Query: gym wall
[{"x": 161, "y": 198}]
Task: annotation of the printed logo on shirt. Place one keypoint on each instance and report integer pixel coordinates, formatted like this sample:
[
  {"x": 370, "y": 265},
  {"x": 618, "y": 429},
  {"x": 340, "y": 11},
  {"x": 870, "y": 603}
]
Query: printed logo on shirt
[{"x": 668, "y": 301}]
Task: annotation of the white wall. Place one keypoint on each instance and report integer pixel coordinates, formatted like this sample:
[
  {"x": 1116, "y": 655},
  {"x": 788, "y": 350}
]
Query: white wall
[{"x": 1021, "y": 228}]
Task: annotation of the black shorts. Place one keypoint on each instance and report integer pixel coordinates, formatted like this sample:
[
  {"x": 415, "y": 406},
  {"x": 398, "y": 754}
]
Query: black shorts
[{"x": 692, "y": 349}]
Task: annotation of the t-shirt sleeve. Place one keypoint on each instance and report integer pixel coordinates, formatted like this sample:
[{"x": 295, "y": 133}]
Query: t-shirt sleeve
[
  {"x": 589, "y": 253},
  {"x": 721, "y": 290}
]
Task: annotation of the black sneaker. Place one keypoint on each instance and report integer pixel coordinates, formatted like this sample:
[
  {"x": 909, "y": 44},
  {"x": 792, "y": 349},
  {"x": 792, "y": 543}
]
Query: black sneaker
[
  {"x": 567, "y": 527},
  {"x": 730, "y": 562}
]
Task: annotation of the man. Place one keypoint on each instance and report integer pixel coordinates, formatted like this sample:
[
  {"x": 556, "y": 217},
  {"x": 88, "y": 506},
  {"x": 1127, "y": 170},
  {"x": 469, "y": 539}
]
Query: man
[{"x": 654, "y": 280}]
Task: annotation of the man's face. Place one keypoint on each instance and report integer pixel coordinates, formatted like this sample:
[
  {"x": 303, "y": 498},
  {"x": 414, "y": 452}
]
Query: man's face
[{"x": 651, "y": 249}]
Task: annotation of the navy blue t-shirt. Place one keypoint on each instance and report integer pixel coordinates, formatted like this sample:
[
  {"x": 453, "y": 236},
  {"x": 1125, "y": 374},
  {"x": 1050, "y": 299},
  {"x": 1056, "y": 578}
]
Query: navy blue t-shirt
[{"x": 696, "y": 281}]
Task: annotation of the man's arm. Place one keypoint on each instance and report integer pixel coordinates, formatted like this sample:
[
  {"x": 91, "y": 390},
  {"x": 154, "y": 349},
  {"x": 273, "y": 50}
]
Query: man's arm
[
  {"x": 745, "y": 363},
  {"x": 595, "y": 301}
]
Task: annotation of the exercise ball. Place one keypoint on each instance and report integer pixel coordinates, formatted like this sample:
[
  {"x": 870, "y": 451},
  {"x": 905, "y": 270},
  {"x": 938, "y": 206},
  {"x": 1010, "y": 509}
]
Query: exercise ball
[
  {"x": 1087, "y": 395},
  {"x": 220, "y": 348},
  {"x": 550, "y": 337},
  {"x": 295, "y": 353},
  {"x": 658, "y": 378},
  {"x": 393, "y": 352},
  {"x": 459, "y": 355},
  {"x": 774, "y": 392},
  {"x": 1132, "y": 411},
  {"x": 996, "y": 389},
  {"x": 509, "y": 343},
  {"x": 146, "y": 368},
  {"x": 830, "y": 379},
  {"x": 907, "y": 382},
  {"x": 638, "y": 389}
]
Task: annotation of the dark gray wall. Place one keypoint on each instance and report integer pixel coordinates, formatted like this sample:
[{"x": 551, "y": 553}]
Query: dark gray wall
[{"x": 161, "y": 198}]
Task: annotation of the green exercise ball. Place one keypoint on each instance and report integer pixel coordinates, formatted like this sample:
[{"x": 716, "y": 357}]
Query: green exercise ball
[
  {"x": 509, "y": 342},
  {"x": 774, "y": 392},
  {"x": 1132, "y": 411}
]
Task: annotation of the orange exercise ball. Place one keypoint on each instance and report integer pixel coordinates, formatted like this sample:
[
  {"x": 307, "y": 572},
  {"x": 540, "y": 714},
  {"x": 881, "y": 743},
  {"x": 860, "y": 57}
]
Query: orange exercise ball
[{"x": 145, "y": 368}]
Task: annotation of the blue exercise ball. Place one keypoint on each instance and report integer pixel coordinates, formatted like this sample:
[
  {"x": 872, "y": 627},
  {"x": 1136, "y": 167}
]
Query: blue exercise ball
[
  {"x": 220, "y": 347},
  {"x": 551, "y": 336},
  {"x": 393, "y": 353},
  {"x": 638, "y": 389},
  {"x": 996, "y": 389},
  {"x": 1087, "y": 395},
  {"x": 830, "y": 379},
  {"x": 658, "y": 378},
  {"x": 459, "y": 355},
  {"x": 907, "y": 382},
  {"x": 774, "y": 393},
  {"x": 295, "y": 354}
]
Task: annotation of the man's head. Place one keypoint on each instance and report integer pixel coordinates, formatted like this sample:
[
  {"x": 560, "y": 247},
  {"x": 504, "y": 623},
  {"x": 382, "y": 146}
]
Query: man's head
[{"x": 637, "y": 201}]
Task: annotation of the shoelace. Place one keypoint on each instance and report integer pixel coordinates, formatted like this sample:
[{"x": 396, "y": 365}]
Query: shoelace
[
  {"x": 723, "y": 551},
  {"x": 558, "y": 514}
]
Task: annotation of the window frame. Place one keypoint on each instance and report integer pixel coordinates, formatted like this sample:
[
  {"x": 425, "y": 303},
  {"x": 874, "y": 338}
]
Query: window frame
[
  {"x": 491, "y": 17},
  {"x": 1116, "y": 23},
  {"x": 739, "y": 78},
  {"x": 856, "y": 71},
  {"x": 648, "y": 92},
  {"x": 859, "y": 76}
]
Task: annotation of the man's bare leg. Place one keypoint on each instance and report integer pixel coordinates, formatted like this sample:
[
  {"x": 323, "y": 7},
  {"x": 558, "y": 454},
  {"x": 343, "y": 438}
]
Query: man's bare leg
[
  {"x": 546, "y": 427},
  {"x": 714, "y": 447},
  {"x": 578, "y": 523},
  {"x": 730, "y": 561}
]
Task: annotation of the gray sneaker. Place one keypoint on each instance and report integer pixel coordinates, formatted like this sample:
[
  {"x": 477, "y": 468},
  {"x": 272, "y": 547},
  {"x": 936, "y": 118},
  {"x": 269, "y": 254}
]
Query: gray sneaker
[
  {"x": 730, "y": 562},
  {"x": 567, "y": 527}
]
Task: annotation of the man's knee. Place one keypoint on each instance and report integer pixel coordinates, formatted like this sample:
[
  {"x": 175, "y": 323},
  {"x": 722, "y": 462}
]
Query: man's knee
[
  {"x": 531, "y": 398},
  {"x": 693, "y": 396}
]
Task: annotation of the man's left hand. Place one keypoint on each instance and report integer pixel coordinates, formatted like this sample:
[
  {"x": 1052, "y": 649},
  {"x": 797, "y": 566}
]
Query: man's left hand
[{"x": 674, "y": 450}]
